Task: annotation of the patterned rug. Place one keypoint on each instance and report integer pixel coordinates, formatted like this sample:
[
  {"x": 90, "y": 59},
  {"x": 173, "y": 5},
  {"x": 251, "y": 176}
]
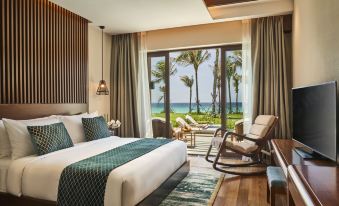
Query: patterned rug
[{"x": 197, "y": 189}]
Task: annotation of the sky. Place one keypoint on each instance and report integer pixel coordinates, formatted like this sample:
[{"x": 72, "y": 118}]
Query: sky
[{"x": 179, "y": 93}]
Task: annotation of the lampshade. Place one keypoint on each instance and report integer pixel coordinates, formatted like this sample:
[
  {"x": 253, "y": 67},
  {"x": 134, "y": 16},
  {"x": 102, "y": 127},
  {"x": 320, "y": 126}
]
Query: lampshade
[{"x": 102, "y": 88}]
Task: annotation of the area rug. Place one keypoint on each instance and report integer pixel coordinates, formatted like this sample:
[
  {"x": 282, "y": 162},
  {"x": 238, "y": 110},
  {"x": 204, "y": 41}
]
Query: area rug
[{"x": 197, "y": 189}]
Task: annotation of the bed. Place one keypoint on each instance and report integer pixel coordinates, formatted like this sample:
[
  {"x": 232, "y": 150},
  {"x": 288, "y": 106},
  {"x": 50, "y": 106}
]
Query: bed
[
  {"x": 4, "y": 165},
  {"x": 146, "y": 180}
]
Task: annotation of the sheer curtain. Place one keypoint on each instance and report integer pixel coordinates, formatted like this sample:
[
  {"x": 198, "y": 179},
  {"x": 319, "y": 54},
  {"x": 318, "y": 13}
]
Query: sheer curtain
[
  {"x": 247, "y": 101},
  {"x": 143, "y": 93}
]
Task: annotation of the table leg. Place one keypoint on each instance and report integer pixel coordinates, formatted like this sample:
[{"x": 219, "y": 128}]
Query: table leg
[{"x": 191, "y": 140}]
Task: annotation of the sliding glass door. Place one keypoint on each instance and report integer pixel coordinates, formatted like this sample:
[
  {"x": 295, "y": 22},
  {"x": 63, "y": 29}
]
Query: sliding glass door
[
  {"x": 232, "y": 87},
  {"x": 159, "y": 87},
  {"x": 195, "y": 86},
  {"x": 202, "y": 83}
]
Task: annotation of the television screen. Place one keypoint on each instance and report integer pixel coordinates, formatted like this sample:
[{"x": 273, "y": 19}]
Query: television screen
[{"x": 314, "y": 118}]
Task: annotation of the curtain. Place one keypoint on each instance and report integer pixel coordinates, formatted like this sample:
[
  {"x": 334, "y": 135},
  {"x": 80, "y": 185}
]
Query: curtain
[
  {"x": 143, "y": 96},
  {"x": 124, "y": 74},
  {"x": 271, "y": 75},
  {"x": 247, "y": 75}
]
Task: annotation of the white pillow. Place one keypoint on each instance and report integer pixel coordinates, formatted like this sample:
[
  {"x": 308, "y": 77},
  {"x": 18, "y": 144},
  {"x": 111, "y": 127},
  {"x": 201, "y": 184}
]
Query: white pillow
[
  {"x": 74, "y": 126},
  {"x": 5, "y": 147},
  {"x": 19, "y": 137}
]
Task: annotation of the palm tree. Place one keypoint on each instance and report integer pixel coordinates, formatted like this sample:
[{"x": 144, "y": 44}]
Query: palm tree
[
  {"x": 163, "y": 96},
  {"x": 160, "y": 74},
  {"x": 195, "y": 58},
  {"x": 160, "y": 71},
  {"x": 219, "y": 92},
  {"x": 216, "y": 70},
  {"x": 188, "y": 83},
  {"x": 230, "y": 70},
  {"x": 236, "y": 83}
]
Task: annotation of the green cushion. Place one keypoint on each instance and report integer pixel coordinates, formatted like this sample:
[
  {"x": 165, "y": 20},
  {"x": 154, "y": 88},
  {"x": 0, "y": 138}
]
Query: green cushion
[
  {"x": 276, "y": 177},
  {"x": 50, "y": 138},
  {"x": 95, "y": 128}
]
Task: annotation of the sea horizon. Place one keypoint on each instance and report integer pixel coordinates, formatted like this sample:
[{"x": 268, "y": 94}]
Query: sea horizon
[{"x": 183, "y": 107}]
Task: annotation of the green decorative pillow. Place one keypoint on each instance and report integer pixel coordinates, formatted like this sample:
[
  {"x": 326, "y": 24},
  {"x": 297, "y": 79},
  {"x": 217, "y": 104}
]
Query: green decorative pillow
[
  {"x": 95, "y": 128},
  {"x": 50, "y": 138}
]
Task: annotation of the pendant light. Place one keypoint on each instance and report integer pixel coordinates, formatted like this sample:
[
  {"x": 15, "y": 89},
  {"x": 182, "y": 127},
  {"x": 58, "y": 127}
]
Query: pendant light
[{"x": 102, "y": 88}]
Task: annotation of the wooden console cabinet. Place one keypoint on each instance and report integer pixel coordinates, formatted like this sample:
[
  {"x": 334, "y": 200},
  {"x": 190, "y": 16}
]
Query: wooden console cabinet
[{"x": 310, "y": 182}]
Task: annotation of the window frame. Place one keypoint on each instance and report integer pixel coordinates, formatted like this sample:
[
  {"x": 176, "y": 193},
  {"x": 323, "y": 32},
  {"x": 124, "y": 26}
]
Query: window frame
[{"x": 167, "y": 101}]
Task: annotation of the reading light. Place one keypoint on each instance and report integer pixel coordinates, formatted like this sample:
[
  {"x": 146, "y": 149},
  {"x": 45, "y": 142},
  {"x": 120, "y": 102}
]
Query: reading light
[{"x": 102, "y": 88}]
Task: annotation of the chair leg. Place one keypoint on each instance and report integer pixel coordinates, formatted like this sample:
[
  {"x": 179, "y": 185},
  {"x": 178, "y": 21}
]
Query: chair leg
[
  {"x": 208, "y": 154},
  {"x": 268, "y": 193},
  {"x": 216, "y": 162},
  {"x": 272, "y": 196}
]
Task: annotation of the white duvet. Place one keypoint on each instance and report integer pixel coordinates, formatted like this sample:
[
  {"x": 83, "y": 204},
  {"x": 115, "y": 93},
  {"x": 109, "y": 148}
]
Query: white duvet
[{"x": 38, "y": 176}]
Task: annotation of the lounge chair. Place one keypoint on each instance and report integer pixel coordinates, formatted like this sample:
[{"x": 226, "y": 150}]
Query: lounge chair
[
  {"x": 202, "y": 128},
  {"x": 187, "y": 133},
  {"x": 249, "y": 145},
  {"x": 159, "y": 128},
  {"x": 197, "y": 130},
  {"x": 194, "y": 123}
]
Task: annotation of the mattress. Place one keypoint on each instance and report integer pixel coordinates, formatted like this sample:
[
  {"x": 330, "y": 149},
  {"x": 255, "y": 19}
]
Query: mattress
[
  {"x": 38, "y": 176},
  {"x": 4, "y": 165}
]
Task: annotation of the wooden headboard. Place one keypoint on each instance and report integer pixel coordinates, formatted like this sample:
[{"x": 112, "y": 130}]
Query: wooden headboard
[
  {"x": 30, "y": 111},
  {"x": 43, "y": 61}
]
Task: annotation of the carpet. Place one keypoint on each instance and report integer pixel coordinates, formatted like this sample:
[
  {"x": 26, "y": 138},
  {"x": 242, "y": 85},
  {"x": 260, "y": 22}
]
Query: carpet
[{"x": 197, "y": 189}]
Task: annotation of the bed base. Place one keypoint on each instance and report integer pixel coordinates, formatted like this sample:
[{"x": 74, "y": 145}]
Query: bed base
[
  {"x": 158, "y": 195},
  {"x": 153, "y": 199}
]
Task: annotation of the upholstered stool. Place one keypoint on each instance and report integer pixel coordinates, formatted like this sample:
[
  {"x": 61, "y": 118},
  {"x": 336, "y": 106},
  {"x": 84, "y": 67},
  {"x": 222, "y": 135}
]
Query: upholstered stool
[{"x": 276, "y": 183}]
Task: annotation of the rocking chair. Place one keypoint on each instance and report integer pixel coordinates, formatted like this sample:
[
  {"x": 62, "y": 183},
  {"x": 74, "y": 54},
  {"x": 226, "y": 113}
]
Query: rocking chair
[{"x": 249, "y": 145}]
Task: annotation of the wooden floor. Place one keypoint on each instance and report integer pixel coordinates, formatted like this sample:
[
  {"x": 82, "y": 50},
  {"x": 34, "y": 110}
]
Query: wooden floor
[
  {"x": 202, "y": 144},
  {"x": 237, "y": 190}
]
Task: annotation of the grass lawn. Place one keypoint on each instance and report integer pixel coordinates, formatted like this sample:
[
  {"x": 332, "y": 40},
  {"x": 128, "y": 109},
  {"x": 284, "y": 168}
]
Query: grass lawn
[{"x": 203, "y": 118}]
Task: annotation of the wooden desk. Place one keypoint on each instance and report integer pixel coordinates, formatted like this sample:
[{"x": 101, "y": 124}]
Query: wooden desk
[
  {"x": 285, "y": 155},
  {"x": 305, "y": 186},
  {"x": 314, "y": 185}
]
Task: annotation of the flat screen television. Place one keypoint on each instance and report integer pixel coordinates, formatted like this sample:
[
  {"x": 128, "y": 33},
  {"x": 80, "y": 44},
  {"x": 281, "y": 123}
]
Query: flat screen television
[{"x": 314, "y": 118}]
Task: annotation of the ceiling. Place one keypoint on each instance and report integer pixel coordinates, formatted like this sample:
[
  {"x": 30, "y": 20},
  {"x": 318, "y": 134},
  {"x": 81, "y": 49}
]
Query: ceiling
[{"x": 127, "y": 16}]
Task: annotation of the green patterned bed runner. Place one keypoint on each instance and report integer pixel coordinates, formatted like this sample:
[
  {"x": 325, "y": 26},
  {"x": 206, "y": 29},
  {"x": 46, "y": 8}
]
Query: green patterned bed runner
[{"x": 84, "y": 182}]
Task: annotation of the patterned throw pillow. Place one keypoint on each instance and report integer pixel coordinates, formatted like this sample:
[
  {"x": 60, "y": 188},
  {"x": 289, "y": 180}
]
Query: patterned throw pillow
[
  {"x": 95, "y": 128},
  {"x": 50, "y": 138}
]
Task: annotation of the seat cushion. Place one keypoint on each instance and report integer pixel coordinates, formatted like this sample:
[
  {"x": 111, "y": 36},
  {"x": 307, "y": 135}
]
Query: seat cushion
[
  {"x": 242, "y": 146},
  {"x": 261, "y": 126},
  {"x": 259, "y": 130},
  {"x": 276, "y": 177},
  {"x": 264, "y": 120}
]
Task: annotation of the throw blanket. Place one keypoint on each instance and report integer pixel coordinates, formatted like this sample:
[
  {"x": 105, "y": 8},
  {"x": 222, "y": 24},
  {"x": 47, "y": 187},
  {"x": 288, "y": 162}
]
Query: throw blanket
[{"x": 84, "y": 182}]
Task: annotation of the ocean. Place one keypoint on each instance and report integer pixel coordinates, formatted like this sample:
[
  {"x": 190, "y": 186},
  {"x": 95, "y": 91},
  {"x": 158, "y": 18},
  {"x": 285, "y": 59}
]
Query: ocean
[{"x": 183, "y": 108}]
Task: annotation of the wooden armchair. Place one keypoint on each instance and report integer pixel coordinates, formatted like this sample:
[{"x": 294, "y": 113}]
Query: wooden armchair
[{"x": 249, "y": 145}]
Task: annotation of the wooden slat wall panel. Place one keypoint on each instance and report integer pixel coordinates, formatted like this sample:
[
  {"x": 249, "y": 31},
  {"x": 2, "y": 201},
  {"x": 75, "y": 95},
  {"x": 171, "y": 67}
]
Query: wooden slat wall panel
[{"x": 43, "y": 54}]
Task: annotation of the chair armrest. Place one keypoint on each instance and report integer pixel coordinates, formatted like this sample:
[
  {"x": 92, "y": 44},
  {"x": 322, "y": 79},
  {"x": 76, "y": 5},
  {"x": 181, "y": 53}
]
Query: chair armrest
[
  {"x": 244, "y": 137},
  {"x": 218, "y": 130}
]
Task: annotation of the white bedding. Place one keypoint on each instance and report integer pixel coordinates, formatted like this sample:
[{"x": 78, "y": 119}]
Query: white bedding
[
  {"x": 4, "y": 165},
  {"x": 38, "y": 177}
]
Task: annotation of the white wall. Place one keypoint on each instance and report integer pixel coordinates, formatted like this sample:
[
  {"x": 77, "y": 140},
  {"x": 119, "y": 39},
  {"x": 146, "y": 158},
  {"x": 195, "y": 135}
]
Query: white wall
[
  {"x": 315, "y": 41},
  {"x": 195, "y": 36},
  {"x": 100, "y": 103}
]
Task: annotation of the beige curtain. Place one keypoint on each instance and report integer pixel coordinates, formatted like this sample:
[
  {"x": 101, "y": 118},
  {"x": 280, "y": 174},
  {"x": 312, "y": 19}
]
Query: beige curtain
[
  {"x": 271, "y": 72},
  {"x": 124, "y": 73}
]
